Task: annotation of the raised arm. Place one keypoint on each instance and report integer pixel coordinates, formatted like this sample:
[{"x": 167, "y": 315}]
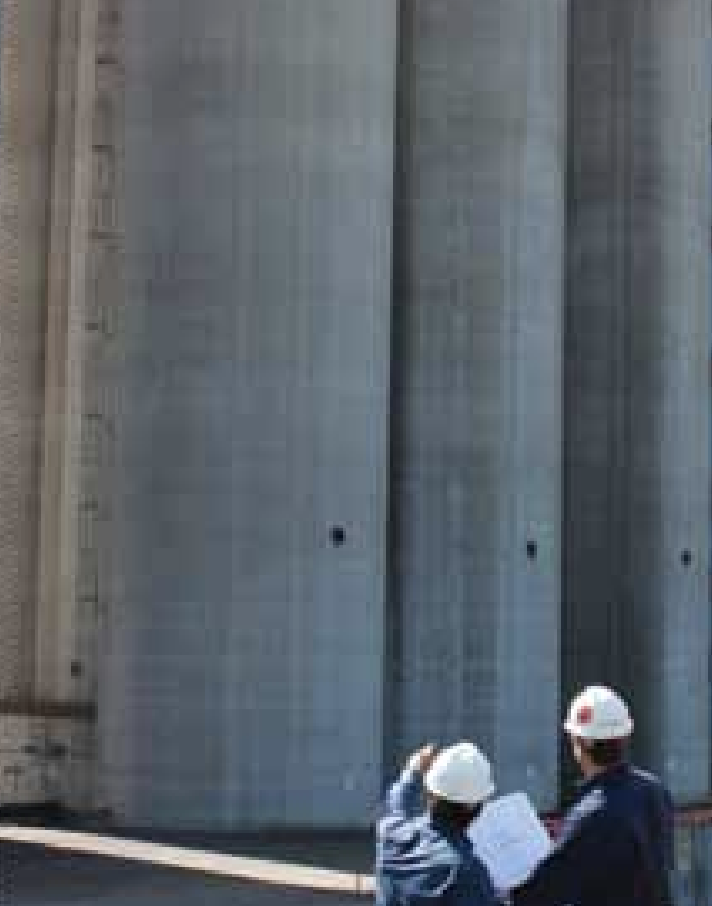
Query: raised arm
[{"x": 404, "y": 797}]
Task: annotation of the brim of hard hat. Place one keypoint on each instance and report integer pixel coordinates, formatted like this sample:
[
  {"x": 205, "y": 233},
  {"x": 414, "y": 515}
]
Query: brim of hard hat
[
  {"x": 601, "y": 735},
  {"x": 433, "y": 789}
]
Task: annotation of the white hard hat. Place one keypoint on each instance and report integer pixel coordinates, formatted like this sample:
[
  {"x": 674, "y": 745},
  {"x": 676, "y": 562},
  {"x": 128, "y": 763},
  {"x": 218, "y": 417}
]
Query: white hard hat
[
  {"x": 460, "y": 774},
  {"x": 598, "y": 713}
]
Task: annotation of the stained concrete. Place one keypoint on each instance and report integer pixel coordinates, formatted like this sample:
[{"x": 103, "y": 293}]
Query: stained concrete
[
  {"x": 637, "y": 414},
  {"x": 476, "y": 431},
  {"x": 26, "y": 92}
]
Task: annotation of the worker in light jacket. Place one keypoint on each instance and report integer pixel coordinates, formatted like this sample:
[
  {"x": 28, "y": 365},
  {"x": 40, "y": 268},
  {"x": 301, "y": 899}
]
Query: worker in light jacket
[
  {"x": 615, "y": 848},
  {"x": 427, "y": 858}
]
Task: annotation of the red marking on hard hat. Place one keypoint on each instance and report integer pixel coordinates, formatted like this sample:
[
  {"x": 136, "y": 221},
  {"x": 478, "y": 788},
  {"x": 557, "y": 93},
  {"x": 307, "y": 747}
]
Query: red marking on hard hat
[{"x": 584, "y": 715}]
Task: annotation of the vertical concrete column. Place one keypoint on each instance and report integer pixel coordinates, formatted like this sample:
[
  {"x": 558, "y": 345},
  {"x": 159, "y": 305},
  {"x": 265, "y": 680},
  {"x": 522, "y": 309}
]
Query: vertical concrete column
[
  {"x": 242, "y": 658},
  {"x": 27, "y": 76},
  {"x": 638, "y": 392},
  {"x": 474, "y": 603},
  {"x": 59, "y": 666}
]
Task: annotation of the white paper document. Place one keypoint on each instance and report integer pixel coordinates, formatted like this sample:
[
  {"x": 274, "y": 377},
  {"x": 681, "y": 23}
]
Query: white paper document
[{"x": 510, "y": 840}]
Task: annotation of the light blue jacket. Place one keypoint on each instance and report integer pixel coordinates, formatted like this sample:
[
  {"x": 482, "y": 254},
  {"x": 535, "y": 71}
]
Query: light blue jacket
[{"x": 420, "y": 860}]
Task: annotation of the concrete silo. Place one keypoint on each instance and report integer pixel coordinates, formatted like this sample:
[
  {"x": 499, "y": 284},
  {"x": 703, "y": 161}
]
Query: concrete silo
[
  {"x": 241, "y": 669},
  {"x": 637, "y": 513},
  {"x": 476, "y": 431}
]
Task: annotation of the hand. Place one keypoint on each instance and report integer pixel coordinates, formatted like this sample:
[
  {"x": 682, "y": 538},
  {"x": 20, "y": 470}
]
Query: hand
[{"x": 421, "y": 760}]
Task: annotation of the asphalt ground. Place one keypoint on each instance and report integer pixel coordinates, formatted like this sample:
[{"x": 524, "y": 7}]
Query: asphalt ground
[
  {"x": 35, "y": 874},
  {"x": 344, "y": 851}
]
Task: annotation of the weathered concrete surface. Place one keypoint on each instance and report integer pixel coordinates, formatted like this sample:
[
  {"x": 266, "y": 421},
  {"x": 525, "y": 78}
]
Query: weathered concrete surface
[
  {"x": 26, "y": 91},
  {"x": 637, "y": 412},
  {"x": 474, "y": 618},
  {"x": 65, "y": 655},
  {"x": 693, "y": 860},
  {"x": 242, "y": 660},
  {"x": 242, "y": 672}
]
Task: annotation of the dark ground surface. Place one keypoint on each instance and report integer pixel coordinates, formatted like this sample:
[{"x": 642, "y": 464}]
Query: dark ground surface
[
  {"x": 32, "y": 876},
  {"x": 340, "y": 851},
  {"x": 349, "y": 851},
  {"x": 35, "y": 876}
]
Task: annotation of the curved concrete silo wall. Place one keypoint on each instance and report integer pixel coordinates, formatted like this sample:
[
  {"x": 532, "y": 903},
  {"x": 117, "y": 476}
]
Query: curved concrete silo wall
[
  {"x": 637, "y": 375},
  {"x": 474, "y": 604},
  {"x": 242, "y": 657},
  {"x": 26, "y": 90}
]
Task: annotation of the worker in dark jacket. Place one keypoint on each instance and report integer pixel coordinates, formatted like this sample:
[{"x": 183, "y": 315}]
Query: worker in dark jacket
[
  {"x": 615, "y": 848},
  {"x": 428, "y": 858}
]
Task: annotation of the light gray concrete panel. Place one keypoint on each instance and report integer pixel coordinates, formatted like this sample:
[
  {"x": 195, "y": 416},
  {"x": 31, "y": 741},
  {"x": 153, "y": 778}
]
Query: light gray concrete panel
[
  {"x": 242, "y": 671},
  {"x": 637, "y": 373},
  {"x": 473, "y": 620}
]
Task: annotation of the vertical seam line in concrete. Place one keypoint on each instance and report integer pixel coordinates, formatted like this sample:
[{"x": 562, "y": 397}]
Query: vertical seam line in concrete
[
  {"x": 613, "y": 22},
  {"x": 624, "y": 485},
  {"x": 32, "y": 615},
  {"x": 394, "y": 606}
]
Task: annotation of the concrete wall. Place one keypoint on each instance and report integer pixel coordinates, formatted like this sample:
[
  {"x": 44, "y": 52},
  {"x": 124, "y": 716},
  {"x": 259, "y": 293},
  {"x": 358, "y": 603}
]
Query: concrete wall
[
  {"x": 242, "y": 659},
  {"x": 637, "y": 455},
  {"x": 693, "y": 859},
  {"x": 244, "y": 387},
  {"x": 474, "y": 606},
  {"x": 47, "y": 759},
  {"x": 66, "y": 608},
  {"x": 26, "y": 91}
]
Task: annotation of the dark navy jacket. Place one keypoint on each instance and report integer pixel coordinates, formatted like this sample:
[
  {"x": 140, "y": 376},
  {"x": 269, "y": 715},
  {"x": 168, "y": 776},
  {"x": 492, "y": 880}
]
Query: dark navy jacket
[
  {"x": 615, "y": 848},
  {"x": 421, "y": 861}
]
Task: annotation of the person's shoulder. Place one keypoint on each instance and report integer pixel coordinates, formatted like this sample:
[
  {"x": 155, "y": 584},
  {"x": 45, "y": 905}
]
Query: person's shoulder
[
  {"x": 591, "y": 805},
  {"x": 649, "y": 781},
  {"x": 592, "y": 817},
  {"x": 643, "y": 776},
  {"x": 645, "y": 793}
]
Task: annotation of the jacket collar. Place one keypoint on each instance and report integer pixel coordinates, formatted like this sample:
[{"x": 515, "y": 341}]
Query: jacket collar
[{"x": 604, "y": 777}]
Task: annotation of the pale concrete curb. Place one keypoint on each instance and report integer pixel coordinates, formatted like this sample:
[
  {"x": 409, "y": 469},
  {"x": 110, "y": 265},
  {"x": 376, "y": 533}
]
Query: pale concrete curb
[{"x": 262, "y": 871}]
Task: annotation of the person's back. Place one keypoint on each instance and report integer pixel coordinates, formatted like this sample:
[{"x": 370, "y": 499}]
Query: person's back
[
  {"x": 616, "y": 843},
  {"x": 426, "y": 858},
  {"x": 638, "y": 801}
]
